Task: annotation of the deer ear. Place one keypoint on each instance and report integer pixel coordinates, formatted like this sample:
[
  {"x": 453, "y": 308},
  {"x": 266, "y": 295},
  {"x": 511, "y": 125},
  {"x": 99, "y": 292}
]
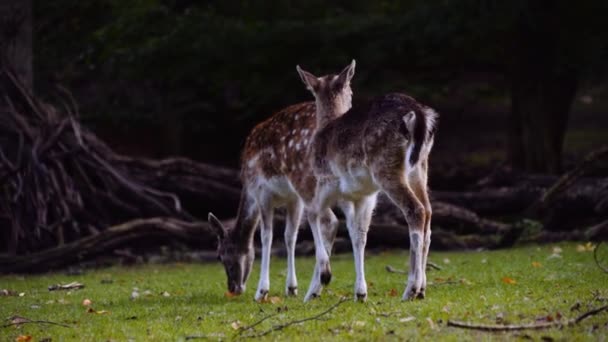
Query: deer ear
[
  {"x": 346, "y": 75},
  {"x": 310, "y": 80},
  {"x": 216, "y": 226}
]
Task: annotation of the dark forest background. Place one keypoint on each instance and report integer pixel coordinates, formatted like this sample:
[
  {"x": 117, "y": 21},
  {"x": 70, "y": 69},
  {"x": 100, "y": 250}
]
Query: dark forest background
[{"x": 191, "y": 78}]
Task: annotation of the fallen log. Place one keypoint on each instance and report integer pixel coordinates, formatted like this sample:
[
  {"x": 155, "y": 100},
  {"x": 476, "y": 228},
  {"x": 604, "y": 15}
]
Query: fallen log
[
  {"x": 584, "y": 203},
  {"x": 103, "y": 242}
]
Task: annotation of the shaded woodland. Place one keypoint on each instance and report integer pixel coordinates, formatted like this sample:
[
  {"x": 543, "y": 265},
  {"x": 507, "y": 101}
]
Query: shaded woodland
[{"x": 121, "y": 123}]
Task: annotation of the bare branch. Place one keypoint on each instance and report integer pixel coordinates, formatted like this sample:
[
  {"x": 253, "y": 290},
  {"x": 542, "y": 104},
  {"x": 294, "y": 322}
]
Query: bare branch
[
  {"x": 530, "y": 326},
  {"x": 298, "y": 321}
]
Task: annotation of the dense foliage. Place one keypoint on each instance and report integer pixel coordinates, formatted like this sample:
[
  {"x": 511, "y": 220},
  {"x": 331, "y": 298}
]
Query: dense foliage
[{"x": 206, "y": 72}]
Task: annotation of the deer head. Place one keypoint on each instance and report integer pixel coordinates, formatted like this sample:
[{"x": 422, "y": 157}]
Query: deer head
[
  {"x": 332, "y": 93},
  {"x": 235, "y": 254}
]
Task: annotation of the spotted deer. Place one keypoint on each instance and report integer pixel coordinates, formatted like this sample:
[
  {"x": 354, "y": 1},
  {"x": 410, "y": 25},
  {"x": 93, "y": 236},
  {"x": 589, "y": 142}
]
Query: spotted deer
[
  {"x": 381, "y": 146},
  {"x": 275, "y": 172}
]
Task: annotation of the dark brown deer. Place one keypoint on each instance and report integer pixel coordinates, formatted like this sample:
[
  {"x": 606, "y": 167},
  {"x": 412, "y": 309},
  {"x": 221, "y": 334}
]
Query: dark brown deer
[
  {"x": 381, "y": 146},
  {"x": 275, "y": 172}
]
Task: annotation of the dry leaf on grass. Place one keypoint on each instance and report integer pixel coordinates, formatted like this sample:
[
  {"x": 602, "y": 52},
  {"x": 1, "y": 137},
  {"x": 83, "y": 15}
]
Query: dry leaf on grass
[
  {"x": 87, "y": 302},
  {"x": 407, "y": 319},
  {"x": 271, "y": 300},
  {"x": 392, "y": 293},
  {"x": 23, "y": 338},
  {"x": 536, "y": 264},
  {"x": 236, "y": 325},
  {"x": 229, "y": 294},
  {"x": 588, "y": 247},
  {"x": 508, "y": 280}
]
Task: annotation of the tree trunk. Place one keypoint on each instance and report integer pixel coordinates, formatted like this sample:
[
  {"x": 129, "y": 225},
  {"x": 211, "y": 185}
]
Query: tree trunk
[
  {"x": 542, "y": 91},
  {"x": 16, "y": 37}
]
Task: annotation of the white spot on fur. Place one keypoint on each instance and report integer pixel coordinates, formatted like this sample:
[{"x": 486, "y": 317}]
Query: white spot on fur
[{"x": 290, "y": 143}]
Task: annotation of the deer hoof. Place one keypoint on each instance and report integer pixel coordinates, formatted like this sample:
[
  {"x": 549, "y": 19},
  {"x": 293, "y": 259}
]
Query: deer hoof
[
  {"x": 261, "y": 295},
  {"x": 292, "y": 291},
  {"x": 361, "y": 297}
]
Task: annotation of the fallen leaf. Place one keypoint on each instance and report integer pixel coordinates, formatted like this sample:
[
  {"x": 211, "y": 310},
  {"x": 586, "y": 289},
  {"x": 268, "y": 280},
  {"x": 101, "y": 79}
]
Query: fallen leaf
[
  {"x": 465, "y": 281},
  {"x": 588, "y": 247},
  {"x": 508, "y": 280},
  {"x": 359, "y": 323},
  {"x": 392, "y": 293},
  {"x": 275, "y": 300},
  {"x": 536, "y": 264},
  {"x": 229, "y": 294},
  {"x": 557, "y": 250},
  {"x": 87, "y": 302},
  {"x": 236, "y": 325},
  {"x": 407, "y": 319},
  {"x": 22, "y": 294},
  {"x": 166, "y": 294},
  {"x": 23, "y": 338},
  {"x": 271, "y": 300}
]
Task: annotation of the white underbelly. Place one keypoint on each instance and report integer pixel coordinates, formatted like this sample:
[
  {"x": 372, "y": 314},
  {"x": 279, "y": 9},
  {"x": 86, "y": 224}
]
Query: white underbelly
[
  {"x": 279, "y": 189},
  {"x": 357, "y": 183}
]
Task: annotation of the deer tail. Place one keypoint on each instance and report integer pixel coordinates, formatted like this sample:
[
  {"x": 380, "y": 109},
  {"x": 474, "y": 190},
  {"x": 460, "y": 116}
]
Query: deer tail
[{"x": 420, "y": 127}]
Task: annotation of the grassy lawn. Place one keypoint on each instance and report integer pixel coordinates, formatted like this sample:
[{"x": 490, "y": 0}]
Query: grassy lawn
[{"x": 522, "y": 285}]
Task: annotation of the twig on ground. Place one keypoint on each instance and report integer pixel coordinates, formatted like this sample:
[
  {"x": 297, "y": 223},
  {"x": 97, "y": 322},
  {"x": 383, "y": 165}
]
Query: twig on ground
[
  {"x": 530, "y": 326},
  {"x": 432, "y": 265},
  {"x": 429, "y": 266},
  {"x": 297, "y": 321},
  {"x": 597, "y": 262},
  {"x": 36, "y": 322},
  {"x": 391, "y": 269},
  {"x": 253, "y": 325}
]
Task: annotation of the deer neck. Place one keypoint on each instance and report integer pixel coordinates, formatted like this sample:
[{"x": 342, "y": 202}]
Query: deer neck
[
  {"x": 327, "y": 112},
  {"x": 247, "y": 219}
]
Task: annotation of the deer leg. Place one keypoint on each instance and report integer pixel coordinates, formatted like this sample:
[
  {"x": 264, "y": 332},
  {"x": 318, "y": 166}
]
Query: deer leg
[
  {"x": 399, "y": 192},
  {"x": 322, "y": 273},
  {"x": 329, "y": 229},
  {"x": 418, "y": 183},
  {"x": 358, "y": 227},
  {"x": 266, "y": 211},
  {"x": 292, "y": 223}
]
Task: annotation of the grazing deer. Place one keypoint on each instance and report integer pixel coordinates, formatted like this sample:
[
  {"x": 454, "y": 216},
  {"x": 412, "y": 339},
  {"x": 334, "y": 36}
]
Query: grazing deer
[
  {"x": 275, "y": 172},
  {"x": 382, "y": 146}
]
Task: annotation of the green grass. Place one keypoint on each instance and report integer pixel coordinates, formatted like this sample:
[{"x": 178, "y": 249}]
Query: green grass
[{"x": 470, "y": 287}]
